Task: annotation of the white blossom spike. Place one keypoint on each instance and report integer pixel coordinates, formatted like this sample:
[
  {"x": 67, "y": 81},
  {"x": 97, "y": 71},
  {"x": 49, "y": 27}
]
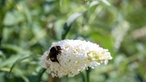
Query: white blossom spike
[{"x": 75, "y": 56}]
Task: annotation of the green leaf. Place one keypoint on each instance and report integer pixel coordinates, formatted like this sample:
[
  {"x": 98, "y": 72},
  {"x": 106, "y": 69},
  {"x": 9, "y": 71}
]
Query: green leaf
[{"x": 69, "y": 22}]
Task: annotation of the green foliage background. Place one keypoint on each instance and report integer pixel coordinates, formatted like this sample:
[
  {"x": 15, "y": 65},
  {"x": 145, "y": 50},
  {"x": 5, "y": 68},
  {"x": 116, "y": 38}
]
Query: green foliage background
[{"x": 28, "y": 27}]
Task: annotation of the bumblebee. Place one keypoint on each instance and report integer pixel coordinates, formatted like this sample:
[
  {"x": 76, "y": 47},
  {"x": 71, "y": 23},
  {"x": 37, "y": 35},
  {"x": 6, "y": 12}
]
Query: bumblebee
[{"x": 54, "y": 51}]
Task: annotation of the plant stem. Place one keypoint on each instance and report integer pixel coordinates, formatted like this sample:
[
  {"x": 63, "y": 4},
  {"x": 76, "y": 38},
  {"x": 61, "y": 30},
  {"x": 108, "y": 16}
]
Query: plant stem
[
  {"x": 83, "y": 77},
  {"x": 41, "y": 74},
  {"x": 88, "y": 74}
]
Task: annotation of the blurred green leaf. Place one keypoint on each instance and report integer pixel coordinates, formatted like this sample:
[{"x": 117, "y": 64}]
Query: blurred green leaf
[{"x": 69, "y": 22}]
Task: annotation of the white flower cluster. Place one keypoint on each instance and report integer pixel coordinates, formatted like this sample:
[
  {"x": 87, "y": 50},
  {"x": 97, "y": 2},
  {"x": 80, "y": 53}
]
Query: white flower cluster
[{"x": 75, "y": 56}]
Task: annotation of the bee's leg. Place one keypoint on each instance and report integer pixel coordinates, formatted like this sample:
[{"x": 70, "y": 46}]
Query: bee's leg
[
  {"x": 59, "y": 52},
  {"x": 58, "y": 61}
]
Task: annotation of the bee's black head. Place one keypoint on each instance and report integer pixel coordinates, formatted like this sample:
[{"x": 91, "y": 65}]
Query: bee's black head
[{"x": 55, "y": 48}]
